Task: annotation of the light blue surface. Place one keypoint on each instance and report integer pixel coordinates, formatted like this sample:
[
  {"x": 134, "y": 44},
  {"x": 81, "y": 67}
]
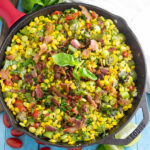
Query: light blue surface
[{"x": 30, "y": 144}]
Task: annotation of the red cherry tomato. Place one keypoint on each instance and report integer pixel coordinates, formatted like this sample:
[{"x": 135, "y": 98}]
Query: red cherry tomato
[
  {"x": 131, "y": 87},
  {"x": 16, "y": 133},
  {"x": 6, "y": 121},
  {"x": 125, "y": 54},
  {"x": 80, "y": 148},
  {"x": 14, "y": 143},
  {"x": 45, "y": 148},
  {"x": 36, "y": 124},
  {"x": 89, "y": 25},
  {"x": 72, "y": 16},
  {"x": 20, "y": 106},
  {"x": 39, "y": 142},
  {"x": 35, "y": 114}
]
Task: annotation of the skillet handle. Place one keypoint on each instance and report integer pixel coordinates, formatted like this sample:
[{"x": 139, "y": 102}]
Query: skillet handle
[
  {"x": 9, "y": 13},
  {"x": 110, "y": 139}
]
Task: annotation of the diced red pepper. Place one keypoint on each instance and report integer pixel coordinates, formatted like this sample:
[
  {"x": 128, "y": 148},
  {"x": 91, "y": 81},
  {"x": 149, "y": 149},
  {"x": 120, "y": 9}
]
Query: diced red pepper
[
  {"x": 125, "y": 54},
  {"x": 72, "y": 16},
  {"x": 89, "y": 25},
  {"x": 35, "y": 114},
  {"x": 20, "y": 106},
  {"x": 131, "y": 87},
  {"x": 116, "y": 106}
]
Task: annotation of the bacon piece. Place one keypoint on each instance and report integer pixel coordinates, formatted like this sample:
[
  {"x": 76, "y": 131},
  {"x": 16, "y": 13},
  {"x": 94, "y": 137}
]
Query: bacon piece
[
  {"x": 98, "y": 82},
  {"x": 34, "y": 73},
  {"x": 97, "y": 97},
  {"x": 53, "y": 108},
  {"x": 86, "y": 13},
  {"x": 50, "y": 128},
  {"x": 32, "y": 105},
  {"x": 66, "y": 87},
  {"x": 48, "y": 39},
  {"x": 43, "y": 49},
  {"x": 15, "y": 78},
  {"x": 5, "y": 74},
  {"x": 58, "y": 72},
  {"x": 40, "y": 66},
  {"x": 28, "y": 78},
  {"x": 105, "y": 71},
  {"x": 55, "y": 102},
  {"x": 111, "y": 49},
  {"x": 93, "y": 45},
  {"x": 49, "y": 28},
  {"x": 38, "y": 91},
  {"x": 123, "y": 102},
  {"x": 89, "y": 98},
  {"x": 75, "y": 43},
  {"x": 53, "y": 89},
  {"x": 40, "y": 78},
  {"x": 33, "y": 94},
  {"x": 10, "y": 57},
  {"x": 71, "y": 119},
  {"x": 86, "y": 53},
  {"x": 85, "y": 108}
]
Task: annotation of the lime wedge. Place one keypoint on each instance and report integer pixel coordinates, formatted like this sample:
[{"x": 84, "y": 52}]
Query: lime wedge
[
  {"x": 127, "y": 130},
  {"x": 110, "y": 147}
]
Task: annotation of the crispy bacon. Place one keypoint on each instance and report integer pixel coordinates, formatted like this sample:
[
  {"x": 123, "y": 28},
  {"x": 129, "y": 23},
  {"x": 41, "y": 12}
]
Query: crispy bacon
[
  {"x": 86, "y": 53},
  {"x": 111, "y": 49},
  {"x": 32, "y": 105},
  {"x": 40, "y": 66},
  {"x": 15, "y": 78},
  {"x": 34, "y": 73},
  {"x": 86, "y": 13},
  {"x": 89, "y": 98},
  {"x": 53, "y": 89},
  {"x": 75, "y": 43},
  {"x": 40, "y": 78},
  {"x": 28, "y": 78},
  {"x": 85, "y": 108},
  {"x": 43, "y": 49},
  {"x": 10, "y": 57},
  {"x": 50, "y": 128},
  {"x": 49, "y": 28},
  {"x": 5, "y": 74},
  {"x": 55, "y": 102},
  {"x": 98, "y": 82},
  {"x": 93, "y": 45},
  {"x": 104, "y": 71},
  {"x": 123, "y": 102},
  {"x": 65, "y": 86},
  {"x": 38, "y": 91},
  {"x": 48, "y": 39}
]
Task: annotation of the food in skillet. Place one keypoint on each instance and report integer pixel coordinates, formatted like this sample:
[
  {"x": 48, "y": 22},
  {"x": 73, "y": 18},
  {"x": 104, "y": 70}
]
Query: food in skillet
[{"x": 69, "y": 76}]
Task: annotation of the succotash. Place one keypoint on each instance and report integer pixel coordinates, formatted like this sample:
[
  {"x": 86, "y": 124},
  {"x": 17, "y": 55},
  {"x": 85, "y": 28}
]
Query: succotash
[{"x": 69, "y": 76}]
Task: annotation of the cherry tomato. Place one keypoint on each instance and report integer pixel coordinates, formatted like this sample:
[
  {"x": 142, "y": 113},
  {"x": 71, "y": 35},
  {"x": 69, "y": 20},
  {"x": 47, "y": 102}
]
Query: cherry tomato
[
  {"x": 6, "y": 121},
  {"x": 35, "y": 114},
  {"x": 45, "y": 148},
  {"x": 80, "y": 148},
  {"x": 16, "y": 133},
  {"x": 39, "y": 142},
  {"x": 125, "y": 54},
  {"x": 8, "y": 83},
  {"x": 20, "y": 106},
  {"x": 14, "y": 143},
  {"x": 94, "y": 15},
  {"x": 72, "y": 16},
  {"x": 89, "y": 25}
]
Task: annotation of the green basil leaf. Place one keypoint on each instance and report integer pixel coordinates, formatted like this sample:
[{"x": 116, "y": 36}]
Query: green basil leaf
[
  {"x": 87, "y": 74},
  {"x": 75, "y": 74},
  {"x": 63, "y": 59}
]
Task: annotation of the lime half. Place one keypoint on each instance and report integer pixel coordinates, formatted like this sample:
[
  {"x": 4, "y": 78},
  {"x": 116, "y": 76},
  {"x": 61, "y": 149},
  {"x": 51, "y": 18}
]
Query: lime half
[
  {"x": 110, "y": 147},
  {"x": 126, "y": 131}
]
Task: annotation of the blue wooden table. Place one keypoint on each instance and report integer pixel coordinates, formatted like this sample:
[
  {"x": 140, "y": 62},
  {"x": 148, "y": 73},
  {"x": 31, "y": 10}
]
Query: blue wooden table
[{"x": 30, "y": 144}]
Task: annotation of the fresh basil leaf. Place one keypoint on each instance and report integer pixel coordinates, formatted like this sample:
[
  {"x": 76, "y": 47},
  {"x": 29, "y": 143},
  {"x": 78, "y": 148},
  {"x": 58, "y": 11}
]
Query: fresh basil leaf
[
  {"x": 9, "y": 63},
  {"x": 87, "y": 74},
  {"x": 75, "y": 74},
  {"x": 63, "y": 59}
]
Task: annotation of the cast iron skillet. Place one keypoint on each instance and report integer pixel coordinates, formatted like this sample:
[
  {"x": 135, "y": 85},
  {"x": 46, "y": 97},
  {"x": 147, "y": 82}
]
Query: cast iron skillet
[{"x": 10, "y": 14}]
